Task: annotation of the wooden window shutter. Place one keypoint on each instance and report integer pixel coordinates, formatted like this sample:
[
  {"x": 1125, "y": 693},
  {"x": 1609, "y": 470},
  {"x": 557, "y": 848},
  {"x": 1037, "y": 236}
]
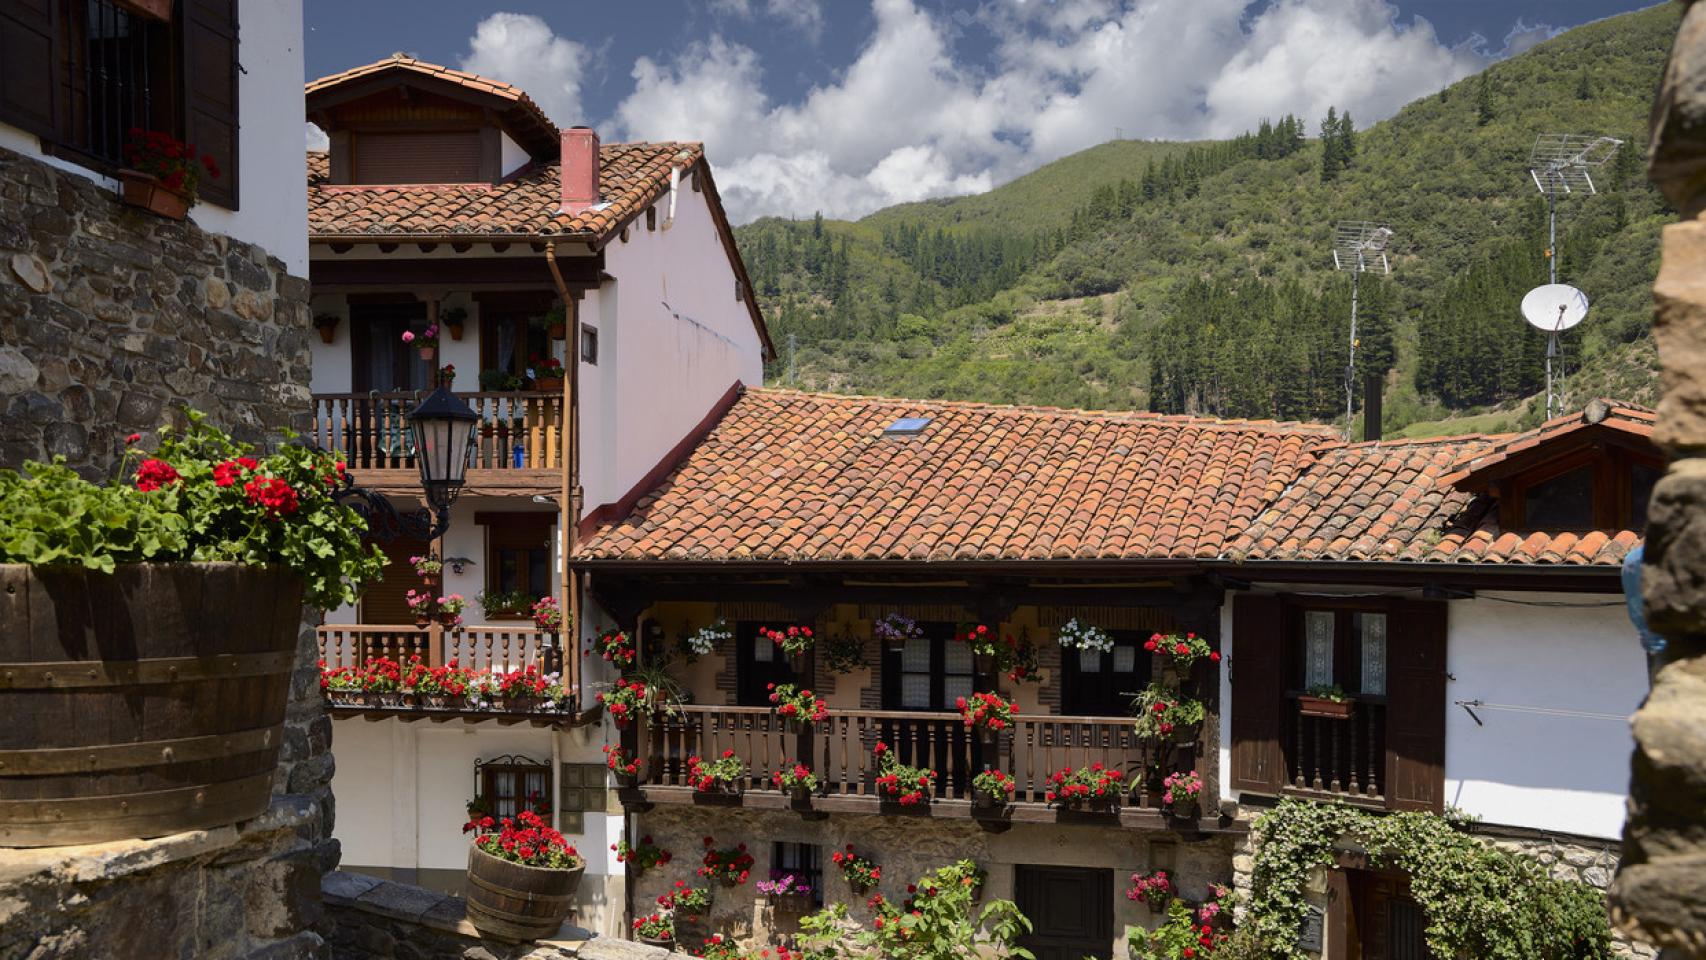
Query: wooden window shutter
[
  {"x": 210, "y": 92},
  {"x": 385, "y": 602},
  {"x": 1258, "y": 692},
  {"x": 29, "y": 66},
  {"x": 1415, "y": 713}
]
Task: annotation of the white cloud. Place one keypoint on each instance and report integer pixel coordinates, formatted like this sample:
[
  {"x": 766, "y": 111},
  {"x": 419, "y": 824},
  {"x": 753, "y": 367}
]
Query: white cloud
[
  {"x": 317, "y": 139},
  {"x": 909, "y": 119},
  {"x": 520, "y": 49}
]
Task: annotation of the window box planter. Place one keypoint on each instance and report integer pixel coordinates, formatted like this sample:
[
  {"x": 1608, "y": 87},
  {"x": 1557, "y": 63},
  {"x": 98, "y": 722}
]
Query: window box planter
[
  {"x": 200, "y": 644},
  {"x": 147, "y": 192},
  {"x": 795, "y": 904},
  {"x": 1324, "y": 708},
  {"x": 513, "y": 901},
  {"x": 548, "y": 384},
  {"x": 160, "y": 10}
]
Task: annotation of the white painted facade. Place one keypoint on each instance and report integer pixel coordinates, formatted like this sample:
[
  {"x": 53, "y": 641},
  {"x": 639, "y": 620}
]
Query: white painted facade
[
  {"x": 271, "y": 165},
  {"x": 1559, "y": 683}
]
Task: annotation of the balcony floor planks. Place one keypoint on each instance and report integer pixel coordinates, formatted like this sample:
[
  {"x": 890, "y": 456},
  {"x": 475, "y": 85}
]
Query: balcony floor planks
[{"x": 481, "y": 483}]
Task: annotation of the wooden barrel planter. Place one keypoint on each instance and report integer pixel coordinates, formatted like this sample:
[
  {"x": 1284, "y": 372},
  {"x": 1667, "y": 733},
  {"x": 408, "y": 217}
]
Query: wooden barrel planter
[
  {"x": 141, "y": 703},
  {"x": 511, "y": 901}
]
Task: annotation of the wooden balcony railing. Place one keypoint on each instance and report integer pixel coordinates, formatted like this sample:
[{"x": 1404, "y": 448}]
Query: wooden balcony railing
[
  {"x": 840, "y": 750},
  {"x": 1339, "y": 757},
  {"x": 518, "y": 431},
  {"x": 480, "y": 648}
]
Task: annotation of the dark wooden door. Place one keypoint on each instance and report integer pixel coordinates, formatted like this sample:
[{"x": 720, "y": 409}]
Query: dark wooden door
[
  {"x": 758, "y": 664},
  {"x": 1071, "y": 910},
  {"x": 931, "y": 674},
  {"x": 1389, "y": 922}
]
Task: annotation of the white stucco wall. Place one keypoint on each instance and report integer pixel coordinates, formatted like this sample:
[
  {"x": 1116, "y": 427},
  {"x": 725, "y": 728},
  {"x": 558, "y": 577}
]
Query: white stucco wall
[
  {"x": 271, "y": 162},
  {"x": 672, "y": 340},
  {"x": 1560, "y": 760}
]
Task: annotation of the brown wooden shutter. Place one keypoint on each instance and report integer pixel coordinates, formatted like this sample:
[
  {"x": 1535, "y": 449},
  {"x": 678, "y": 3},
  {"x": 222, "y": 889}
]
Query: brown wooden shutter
[
  {"x": 451, "y": 156},
  {"x": 1258, "y": 692},
  {"x": 29, "y": 66},
  {"x": 385, "y": 602},
  {"x": 210, "y": 92},
  {"x": 1415, "y": 713}
]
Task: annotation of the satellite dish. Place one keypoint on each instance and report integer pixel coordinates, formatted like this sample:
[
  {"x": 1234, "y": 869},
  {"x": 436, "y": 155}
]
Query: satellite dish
[{"x": 1554, "y": 307}]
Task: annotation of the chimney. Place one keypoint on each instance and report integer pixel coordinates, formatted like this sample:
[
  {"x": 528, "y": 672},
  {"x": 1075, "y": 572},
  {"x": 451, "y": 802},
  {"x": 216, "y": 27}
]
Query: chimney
[{"x": 579, "y": 169}]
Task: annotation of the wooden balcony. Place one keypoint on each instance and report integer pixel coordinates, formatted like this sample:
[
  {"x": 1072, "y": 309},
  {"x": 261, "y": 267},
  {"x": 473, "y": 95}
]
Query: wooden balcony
[
  {"x": 517, "y": 447},
  {"x": 501, "y": 648},
  {"x": 1337, "y": 758},
  {"x": 840, "y": 752}
]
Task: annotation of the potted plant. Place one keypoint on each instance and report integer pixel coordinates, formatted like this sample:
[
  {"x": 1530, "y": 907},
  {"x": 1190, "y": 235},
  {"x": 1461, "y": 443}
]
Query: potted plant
[
  {"x": 1164, "y": 714},
  {"x": 617, "y": 647},
  {"x": 797, "y": 781},
  {"x": 987, "y": 715},
  {"x": 341, "y": 685},
  {"x": 703, "y": 641},
  {"x": 895, "y": 629},
  {"x": 327, "y": 324},
  {"x": 428, "y": 567},
  {"x": 450, "y": 607},
  {"x": 656, "y": 929},
  {"x": 504, "y": 604},
  {"x": 902, "y": 784},
  {"x": 991, "y": 791},
  {"x": 421, "y": 604},
  {"x": 1096, "y": 786},
  {"x": 547, "y": 616},
  {"x": 794, "y": 642},
  {"x": 426, "y": 341},
  {"x": 547, "y": 373},
  {"x": 988, "y": 649},
  {"x": 641, "y": 856},
  {"x": 521, "y": 690},
  {"x": 691, "y": 905},
  {"x": 1154, "y": 889},
  {"x": 1090, "y": 641},
  {"x": 521, "y": 879},
  {"x": 797, "y": 708},
  {"x": 383, "y": 682},
  {"x": 453, "y": 319},
  {"x": 843, "y": 652},
  {"x": 1328, "y": 702},
  {"x": 788, "y": 893},
  {"x": 1180, "y": 652},
  {"x": 555, "y": 322},
  {"x": 162, "y": 173},
  {"x": 967, "y": 874},
  {"x": 446, "y": 376},
  {"x": 625, "y": 768},
  {"x": 1180, "y": 793},
  {"x": 436, "y": 688},
  {"x": 719, "y": 947},
  {"x": 724, "y": 776},
  {"x": 861, "y": 874},
  {"x": 624, "y": 701},
  {"x": 730, "y": 866}
]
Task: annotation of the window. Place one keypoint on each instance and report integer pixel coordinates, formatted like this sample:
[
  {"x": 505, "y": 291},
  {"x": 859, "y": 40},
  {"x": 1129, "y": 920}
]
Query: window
[
  {"x": 382, "y": 361},
  {"x": 1341, "y": 647},
  {"x": 1095, "y": 684},
  {"x": 582, "y": 791},
  {"x": 1642, "y": 479},
  {"x": 510, "y": 337},
  {"x": 509, "y": 782},
  {"x": 589, "y": 345},
  {"x": 803, "y": 861},
  {"x": 519, "y": 568},
  {"x": 758, "y": 663},
  {"x": 1564, "y": 502},
  {"x": 1593, "y": 488},
  {"x": 81, "y": 74},
  {"x": 930, "y": 672}
]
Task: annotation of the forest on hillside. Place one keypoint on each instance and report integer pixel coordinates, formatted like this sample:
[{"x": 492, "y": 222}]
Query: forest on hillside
[{"x": 1197, "y": 277}]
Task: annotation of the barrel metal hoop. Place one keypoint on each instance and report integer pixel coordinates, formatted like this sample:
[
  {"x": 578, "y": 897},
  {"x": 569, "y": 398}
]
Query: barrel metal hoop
[
  {"x": 21, "y": 814},
  {"x": 68, "y": 674},
  {"x": 121, "y": 756},
  {"x": 527, "y": 895}
]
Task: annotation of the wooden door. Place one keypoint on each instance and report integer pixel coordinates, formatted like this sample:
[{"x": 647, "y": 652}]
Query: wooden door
[
  {"x": 1389, "y": 922},
  {"x": 931, "y": 674},
  {"x": 1071, "y": 910}
]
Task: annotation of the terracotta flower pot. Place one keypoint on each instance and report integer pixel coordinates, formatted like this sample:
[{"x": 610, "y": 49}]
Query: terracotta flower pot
[
  {"x": 455, "y": 331},
  {"x": 427, "y": 353},
  {"x": 147, "y": 192},
  {"x": 558, "y": 331},
  {"x": 328, "y": 332}
]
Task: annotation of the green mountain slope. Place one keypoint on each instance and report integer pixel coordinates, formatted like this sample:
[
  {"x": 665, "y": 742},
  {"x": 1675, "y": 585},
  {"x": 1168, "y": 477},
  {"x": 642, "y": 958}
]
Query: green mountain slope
[{"x": 1196, "y": 277}]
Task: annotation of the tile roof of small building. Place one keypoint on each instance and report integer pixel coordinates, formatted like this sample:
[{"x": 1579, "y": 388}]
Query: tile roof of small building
[
  {"x": 461, "y": 78},
  {"x": 786, "y": 476},
  {"x": 632, "y": 176}
]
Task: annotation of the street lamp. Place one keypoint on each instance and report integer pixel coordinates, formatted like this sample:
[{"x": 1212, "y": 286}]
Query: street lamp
[{"x": 443, "y": 432}]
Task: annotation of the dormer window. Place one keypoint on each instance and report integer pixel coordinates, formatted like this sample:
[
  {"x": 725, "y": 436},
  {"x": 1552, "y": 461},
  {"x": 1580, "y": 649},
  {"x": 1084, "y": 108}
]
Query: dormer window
[{"x": 1564, "y": 502}]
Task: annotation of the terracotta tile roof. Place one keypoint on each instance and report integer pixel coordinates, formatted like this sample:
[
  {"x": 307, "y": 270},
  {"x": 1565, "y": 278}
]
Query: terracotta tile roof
[
  {"x": 461, "y": 78},
  {"x": 1624, "y": 418},
  {"x": 801, "y": 477},
  {"x": 631, "y": 177}
]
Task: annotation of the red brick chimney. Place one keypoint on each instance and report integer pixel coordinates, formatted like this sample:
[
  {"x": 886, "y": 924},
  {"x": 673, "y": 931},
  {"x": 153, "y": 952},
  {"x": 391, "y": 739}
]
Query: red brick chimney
[{"x": 579, "y": 169}]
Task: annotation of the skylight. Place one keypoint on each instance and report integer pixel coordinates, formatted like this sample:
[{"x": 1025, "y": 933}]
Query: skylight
[{"x": 906, "y": 427}]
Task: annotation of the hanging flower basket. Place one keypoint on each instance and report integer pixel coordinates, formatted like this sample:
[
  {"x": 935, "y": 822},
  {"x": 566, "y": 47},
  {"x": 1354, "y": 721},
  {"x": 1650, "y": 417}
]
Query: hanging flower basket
[{"x": 427, "y": 353}]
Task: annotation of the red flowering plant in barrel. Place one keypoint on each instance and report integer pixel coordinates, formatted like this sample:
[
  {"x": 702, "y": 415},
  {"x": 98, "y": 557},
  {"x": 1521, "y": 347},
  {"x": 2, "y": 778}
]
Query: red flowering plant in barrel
[
  {"x": 199, "y": 497},
  {"x": 177, "y": 165},
  {"x": 641, "y": 856},
  {"x": 799, "y": 706},
  {"x": 908, "y": 786},
  {"x": 1093, "y": 784},
  {"x": 1154, "y": 889},
  {"x": 730, "y": 866},
  {"x": 726, "y": 774},
  {"x": 861, "y": 874},
  {"x": 1183, "y": 650},
  {"x": 687, "y": 903},
  {"x": 528, "y": 840},
  {"x": 617, "y": 647},
  {"x": 985, "y": 712}
]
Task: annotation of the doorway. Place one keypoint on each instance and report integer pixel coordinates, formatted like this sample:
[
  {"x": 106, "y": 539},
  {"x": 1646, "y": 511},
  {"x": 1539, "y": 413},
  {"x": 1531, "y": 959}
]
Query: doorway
[
  {"x": 1071, "y": 910},
  {"x": 1382, "y": 922}
]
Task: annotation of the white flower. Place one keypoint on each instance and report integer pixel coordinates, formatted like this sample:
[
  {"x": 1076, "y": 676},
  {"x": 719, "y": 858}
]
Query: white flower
[{"x": 1084, "y": 637}]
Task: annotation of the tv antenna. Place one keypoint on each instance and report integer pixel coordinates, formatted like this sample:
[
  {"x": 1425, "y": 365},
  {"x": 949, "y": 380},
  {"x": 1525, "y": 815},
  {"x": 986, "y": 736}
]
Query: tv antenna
[
  {"x": 1564, "y": 162},
  {"x": 1358, "y": 247},
  {"x": 1553, "y": 308}
]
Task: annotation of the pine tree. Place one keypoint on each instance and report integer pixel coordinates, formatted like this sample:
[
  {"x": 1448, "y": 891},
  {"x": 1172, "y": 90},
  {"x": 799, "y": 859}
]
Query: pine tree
[
  {"x": 1584, "y": 86},
  {"x": 1484, "y": 101},
  {"x": 1331, "y": 146},
  {"x": 1347, "y": 139}
]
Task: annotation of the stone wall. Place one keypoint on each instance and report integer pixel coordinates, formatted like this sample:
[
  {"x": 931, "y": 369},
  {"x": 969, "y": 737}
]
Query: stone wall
[
  {"x": 111, "y": 319},
  {"x": 1660, "y": 890},
  {"x": 906, "y": 848}
]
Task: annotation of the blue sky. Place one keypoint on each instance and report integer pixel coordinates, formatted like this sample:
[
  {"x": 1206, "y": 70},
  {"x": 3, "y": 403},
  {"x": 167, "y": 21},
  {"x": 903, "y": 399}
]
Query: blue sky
[{"x": 846, "y": 106}]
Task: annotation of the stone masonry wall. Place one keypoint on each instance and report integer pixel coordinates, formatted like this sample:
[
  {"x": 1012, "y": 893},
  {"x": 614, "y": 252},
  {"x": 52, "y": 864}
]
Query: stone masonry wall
[
  {"x": 1660, "y": 890},
  {"x": 111, "y": 319}
]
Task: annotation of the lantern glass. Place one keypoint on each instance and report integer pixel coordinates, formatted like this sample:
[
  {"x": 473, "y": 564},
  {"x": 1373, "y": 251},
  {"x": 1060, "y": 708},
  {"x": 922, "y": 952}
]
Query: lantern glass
[{"x": 443, "y": 426}]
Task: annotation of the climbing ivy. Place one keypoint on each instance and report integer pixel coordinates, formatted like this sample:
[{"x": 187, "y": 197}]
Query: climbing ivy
[{"x": 1480, "y": 902}]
